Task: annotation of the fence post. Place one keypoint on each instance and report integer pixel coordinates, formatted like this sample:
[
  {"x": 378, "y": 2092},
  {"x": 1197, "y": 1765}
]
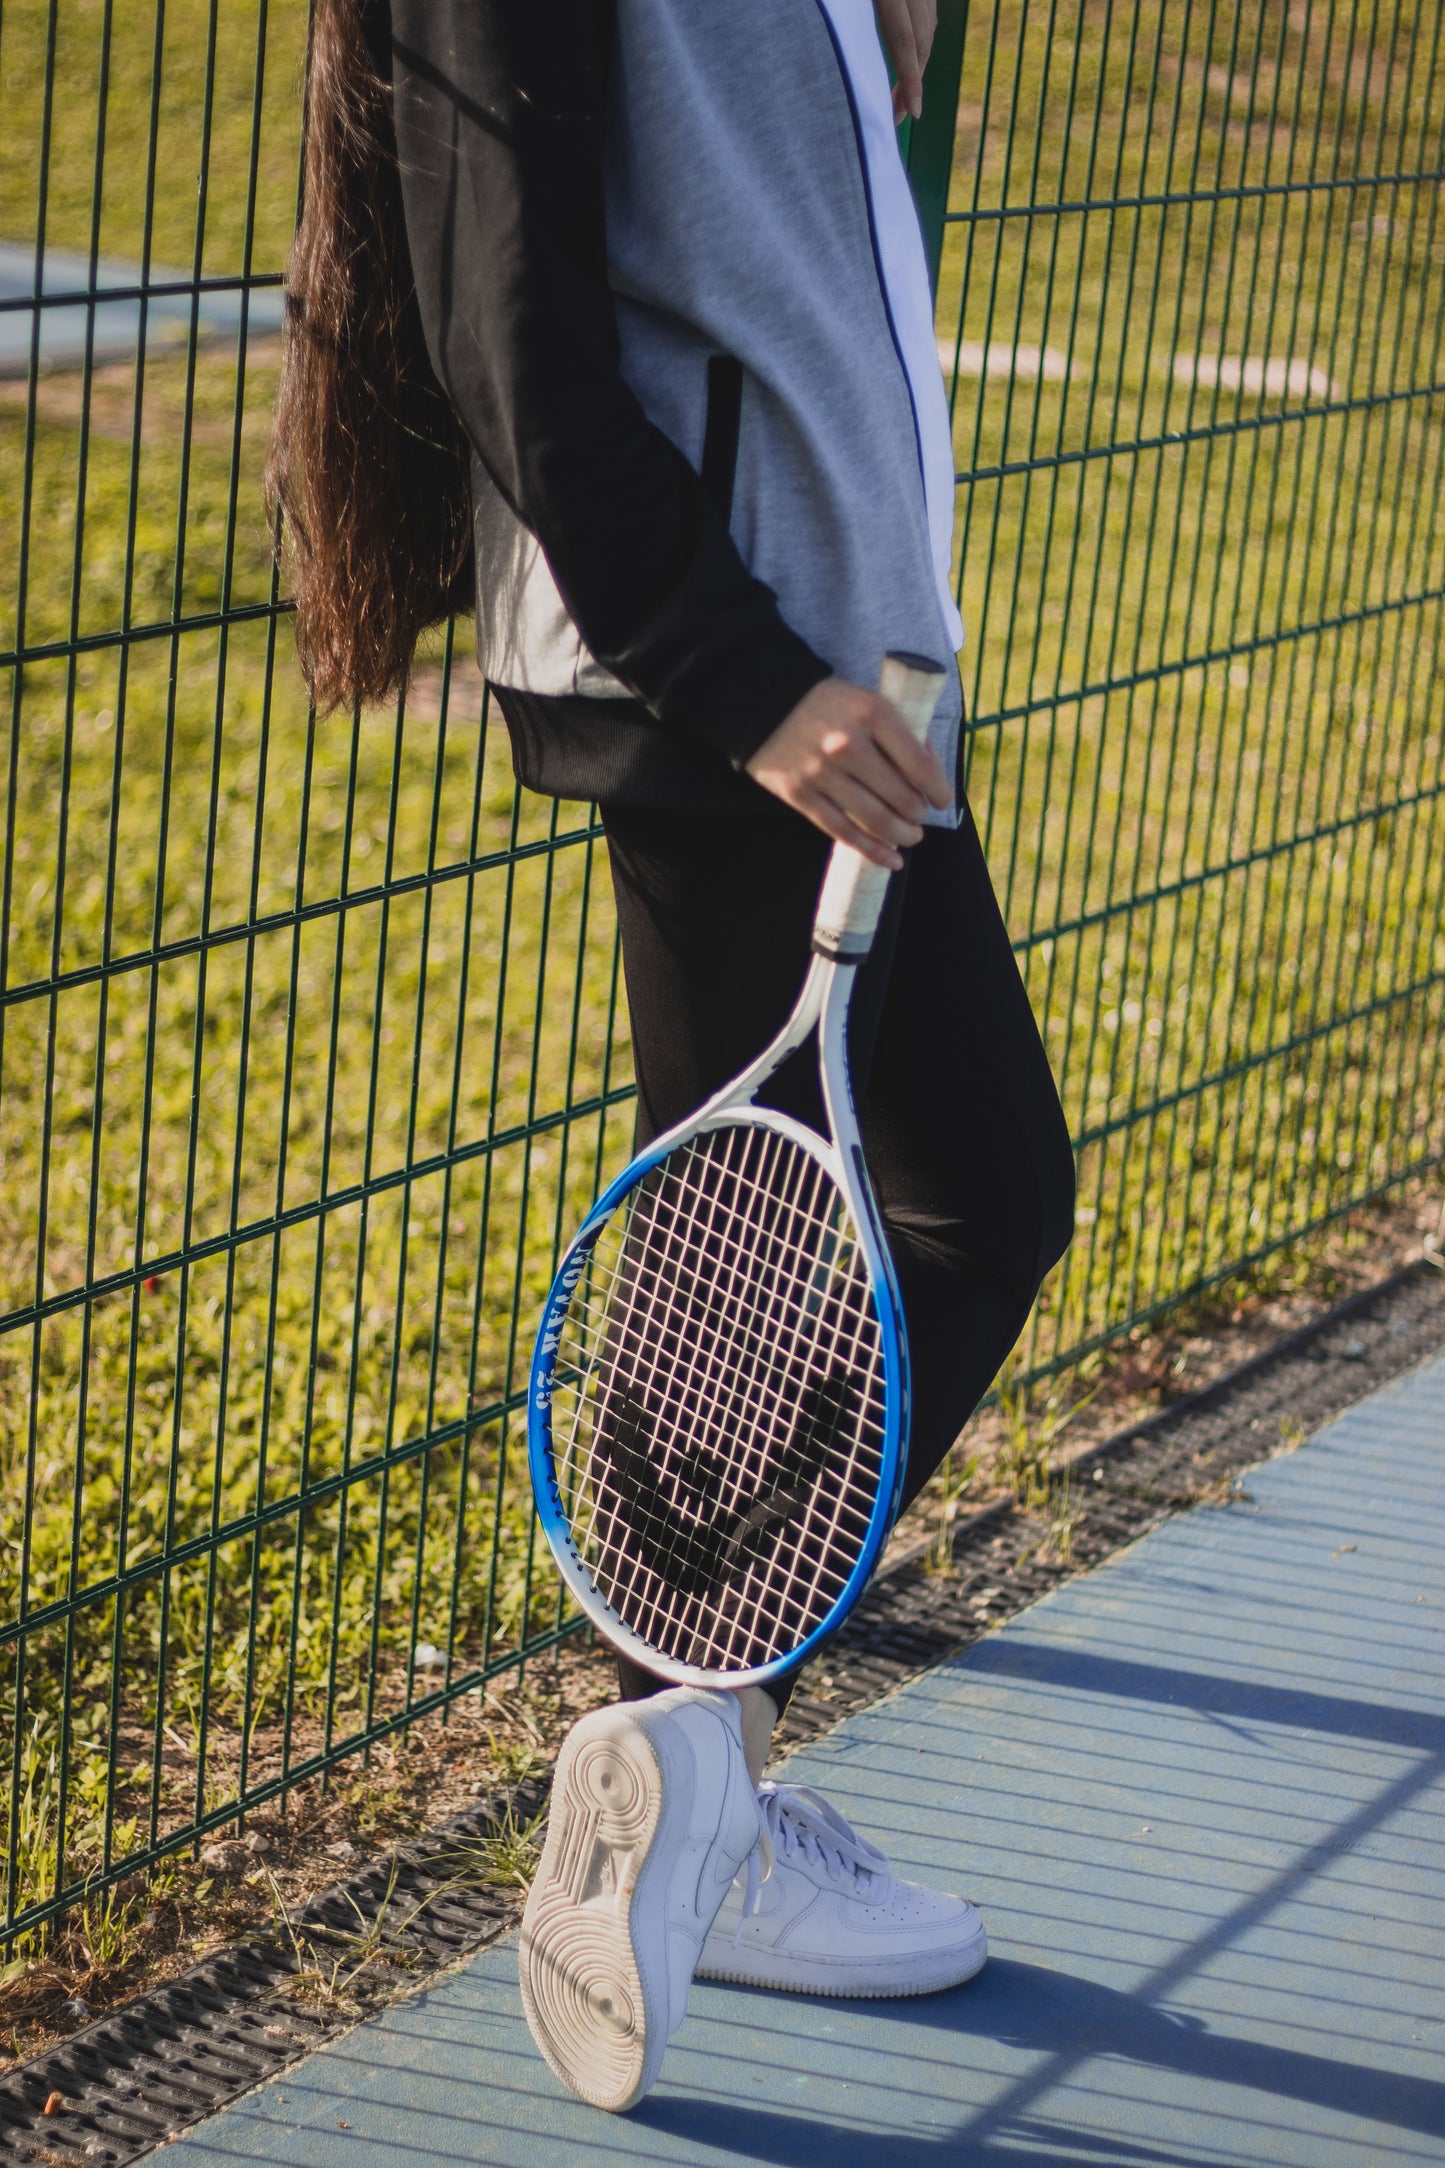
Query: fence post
[{"x": 928, "y": 143}]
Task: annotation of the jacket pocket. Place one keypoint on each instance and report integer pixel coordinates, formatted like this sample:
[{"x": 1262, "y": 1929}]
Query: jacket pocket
[{"x": 720, "y": 437}]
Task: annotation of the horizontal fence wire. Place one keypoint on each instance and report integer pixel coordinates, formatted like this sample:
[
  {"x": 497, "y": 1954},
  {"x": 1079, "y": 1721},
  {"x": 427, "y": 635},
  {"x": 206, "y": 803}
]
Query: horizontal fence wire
[{"x": 312, "y": 1039}]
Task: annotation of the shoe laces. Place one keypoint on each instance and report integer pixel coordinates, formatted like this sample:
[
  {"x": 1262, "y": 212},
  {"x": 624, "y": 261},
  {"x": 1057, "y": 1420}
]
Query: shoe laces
[
  {"x": 753, "y": 1880},
  {"x": 795, "y": 1822},
  {"x": 801, "y": 1824}
]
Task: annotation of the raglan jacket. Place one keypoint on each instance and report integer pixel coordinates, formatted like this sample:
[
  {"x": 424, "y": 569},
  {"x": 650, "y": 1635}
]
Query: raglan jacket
[{"x": 671, "y": 278}]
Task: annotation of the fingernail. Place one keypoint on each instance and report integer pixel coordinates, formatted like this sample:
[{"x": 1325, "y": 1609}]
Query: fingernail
[{"x": 916, "y": 106}]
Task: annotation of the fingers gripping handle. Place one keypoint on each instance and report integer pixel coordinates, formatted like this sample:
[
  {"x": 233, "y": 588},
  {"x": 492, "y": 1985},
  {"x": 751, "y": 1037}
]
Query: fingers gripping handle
[{"x": 853, "y": 888}]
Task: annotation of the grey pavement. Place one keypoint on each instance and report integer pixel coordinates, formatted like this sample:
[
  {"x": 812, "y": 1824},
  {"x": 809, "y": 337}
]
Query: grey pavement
[{"x": 1200, "y": 1794}]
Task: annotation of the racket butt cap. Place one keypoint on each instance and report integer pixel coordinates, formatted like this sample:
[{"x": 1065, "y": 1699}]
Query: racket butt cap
[{"x": 841, "y": 947}]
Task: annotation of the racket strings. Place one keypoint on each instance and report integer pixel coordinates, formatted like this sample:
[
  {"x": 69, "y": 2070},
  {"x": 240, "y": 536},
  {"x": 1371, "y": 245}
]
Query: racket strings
[{"x": 718, "y": 1411}]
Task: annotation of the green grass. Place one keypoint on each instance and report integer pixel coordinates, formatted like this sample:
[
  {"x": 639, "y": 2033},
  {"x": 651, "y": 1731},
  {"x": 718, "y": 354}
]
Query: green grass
[
  {"x": 203, "y": 129},
  {"x": 1219, "y": 840}
]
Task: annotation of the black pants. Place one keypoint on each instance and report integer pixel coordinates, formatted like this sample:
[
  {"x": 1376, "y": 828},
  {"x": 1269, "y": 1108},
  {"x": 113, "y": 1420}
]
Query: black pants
[{"x": 962, "y": 1128}]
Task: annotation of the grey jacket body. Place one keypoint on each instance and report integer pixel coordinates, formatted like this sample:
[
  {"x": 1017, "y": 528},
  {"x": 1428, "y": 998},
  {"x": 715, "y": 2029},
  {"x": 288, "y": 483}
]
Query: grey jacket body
[{"x": 754, "y": 213}]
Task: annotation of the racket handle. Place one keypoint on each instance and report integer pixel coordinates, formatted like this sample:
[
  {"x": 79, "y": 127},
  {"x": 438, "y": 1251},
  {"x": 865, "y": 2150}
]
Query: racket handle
[{"x": 853, "y": 887}]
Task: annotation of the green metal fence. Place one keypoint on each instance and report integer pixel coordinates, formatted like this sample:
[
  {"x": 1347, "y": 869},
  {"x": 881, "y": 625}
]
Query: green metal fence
[{"x": 311, "y": 1043}]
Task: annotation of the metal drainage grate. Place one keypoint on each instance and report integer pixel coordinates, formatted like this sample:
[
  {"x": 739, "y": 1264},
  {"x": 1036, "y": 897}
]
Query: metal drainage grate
[{"x": 135, "y": 2078}]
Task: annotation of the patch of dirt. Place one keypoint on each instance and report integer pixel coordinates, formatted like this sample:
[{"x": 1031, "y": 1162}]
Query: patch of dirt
[
  {"x": 465, "y": 688},
  {"x": 60, "y": 396}
]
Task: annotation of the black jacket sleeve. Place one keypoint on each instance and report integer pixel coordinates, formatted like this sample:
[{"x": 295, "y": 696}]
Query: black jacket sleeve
[{"x": 499, "y": 110}]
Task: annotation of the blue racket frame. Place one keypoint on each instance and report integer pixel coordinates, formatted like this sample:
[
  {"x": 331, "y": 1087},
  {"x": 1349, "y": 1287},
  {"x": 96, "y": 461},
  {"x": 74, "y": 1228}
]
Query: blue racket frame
[{"x": 824, "y": 1005}]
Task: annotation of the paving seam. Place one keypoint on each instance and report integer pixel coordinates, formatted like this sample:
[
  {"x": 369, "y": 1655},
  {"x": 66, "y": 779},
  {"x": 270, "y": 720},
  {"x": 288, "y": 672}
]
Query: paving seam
[{"x": 170, "y": 2058}]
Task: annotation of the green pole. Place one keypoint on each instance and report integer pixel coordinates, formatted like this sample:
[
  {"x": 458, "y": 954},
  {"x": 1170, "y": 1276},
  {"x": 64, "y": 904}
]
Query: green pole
[{"x": 928, "y": 143}]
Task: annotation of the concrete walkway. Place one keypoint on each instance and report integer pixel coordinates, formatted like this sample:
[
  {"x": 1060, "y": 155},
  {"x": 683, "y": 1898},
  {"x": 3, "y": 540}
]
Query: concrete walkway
[{"x": 1200, "y": 1795}]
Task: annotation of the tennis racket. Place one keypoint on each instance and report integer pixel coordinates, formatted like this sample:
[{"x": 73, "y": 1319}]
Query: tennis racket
[{"x": 718, "y": 1411}]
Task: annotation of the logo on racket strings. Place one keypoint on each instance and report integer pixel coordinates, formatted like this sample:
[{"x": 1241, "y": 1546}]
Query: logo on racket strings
[{"x": 696, "y": 1553}]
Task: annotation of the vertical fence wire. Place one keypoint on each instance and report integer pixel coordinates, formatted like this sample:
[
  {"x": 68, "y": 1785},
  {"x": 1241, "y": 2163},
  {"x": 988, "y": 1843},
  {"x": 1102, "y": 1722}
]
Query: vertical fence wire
[{"x": 312, "y": 1045}]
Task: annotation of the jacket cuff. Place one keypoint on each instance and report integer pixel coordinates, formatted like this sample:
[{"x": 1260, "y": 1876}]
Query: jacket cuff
[{"x": 736, "y": 700}]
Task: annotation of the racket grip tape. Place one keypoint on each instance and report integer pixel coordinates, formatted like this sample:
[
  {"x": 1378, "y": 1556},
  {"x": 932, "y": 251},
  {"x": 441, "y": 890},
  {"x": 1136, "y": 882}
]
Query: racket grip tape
[{"x": 851, "y": 902}]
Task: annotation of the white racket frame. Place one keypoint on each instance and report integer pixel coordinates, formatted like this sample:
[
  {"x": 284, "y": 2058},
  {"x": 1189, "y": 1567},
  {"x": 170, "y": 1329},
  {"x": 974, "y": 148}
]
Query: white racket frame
[{"x": 849, "y": 907}]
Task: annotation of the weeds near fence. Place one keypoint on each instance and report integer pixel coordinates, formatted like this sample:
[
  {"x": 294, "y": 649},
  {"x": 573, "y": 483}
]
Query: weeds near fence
[
  {"x": 1027, "y": 1462},
  {"x": 335, "y": 1969},
  {"x": 946, "y": 1494}
]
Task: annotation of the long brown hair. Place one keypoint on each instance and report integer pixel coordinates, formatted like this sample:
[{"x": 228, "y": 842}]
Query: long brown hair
[{"x": 367, "y": 483}]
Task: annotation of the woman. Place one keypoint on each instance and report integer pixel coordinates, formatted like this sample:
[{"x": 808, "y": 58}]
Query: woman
[{"x": 632, "y": 306}]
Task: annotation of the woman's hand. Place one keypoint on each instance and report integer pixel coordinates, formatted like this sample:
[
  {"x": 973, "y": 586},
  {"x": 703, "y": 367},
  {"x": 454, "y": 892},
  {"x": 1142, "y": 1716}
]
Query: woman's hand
[
  {"x": 908, "y": 27},
  {"x": 846, "y": 760}
]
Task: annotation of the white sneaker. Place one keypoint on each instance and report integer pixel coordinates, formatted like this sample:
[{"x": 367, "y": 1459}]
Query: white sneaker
[
  {"x": 652, "y": 1815},
  {"x": 830, "y": 1918}
]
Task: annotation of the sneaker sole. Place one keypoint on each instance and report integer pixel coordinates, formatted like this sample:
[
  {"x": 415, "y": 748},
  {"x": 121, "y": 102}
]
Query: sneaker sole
[
  {"x": 926, "y": 1975},
  {"x": 596, "y": 2004}
]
